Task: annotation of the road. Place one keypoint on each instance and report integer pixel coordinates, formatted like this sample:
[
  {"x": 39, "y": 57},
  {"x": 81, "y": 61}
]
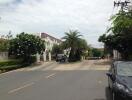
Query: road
[{"x": 57, "y": 81}]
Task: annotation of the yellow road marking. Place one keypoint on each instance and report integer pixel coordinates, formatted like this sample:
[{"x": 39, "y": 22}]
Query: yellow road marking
[
  {"x": 51, "y": 75},
  {"x": 22, "y": 87}
]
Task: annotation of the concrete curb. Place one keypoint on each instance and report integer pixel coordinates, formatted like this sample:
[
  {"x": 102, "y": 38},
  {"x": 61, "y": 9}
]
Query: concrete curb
[{"x": 19, "y": 69}]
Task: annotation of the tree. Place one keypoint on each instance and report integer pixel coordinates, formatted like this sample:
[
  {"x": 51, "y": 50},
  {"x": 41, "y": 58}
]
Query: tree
[
  {"x": 57, "y": 49},
  {"x": 3, "y": 45},
  {"x": 81, "y": 49},
  {"x": 109, "y": 43},
  {"x": 4, "y": 42},
  {"x": 73, "y": 41},
  {"x": 25, "y": 45},
  {"x": 120, "y": 38},
  {"x": 96, "y": 52}
]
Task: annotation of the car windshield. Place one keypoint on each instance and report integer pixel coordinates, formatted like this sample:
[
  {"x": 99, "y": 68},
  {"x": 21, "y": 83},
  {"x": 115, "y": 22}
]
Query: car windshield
[{"x": 124, "y": 69}]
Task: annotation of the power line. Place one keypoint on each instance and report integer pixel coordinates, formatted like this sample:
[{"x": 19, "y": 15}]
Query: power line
[
  {"x": 123, "y": 5},
  {"x": 117, "y": 4}
]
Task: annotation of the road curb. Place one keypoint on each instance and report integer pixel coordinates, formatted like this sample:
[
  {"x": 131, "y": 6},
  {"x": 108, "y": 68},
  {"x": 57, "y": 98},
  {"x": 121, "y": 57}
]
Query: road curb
[{"x": 16, "y": 70}]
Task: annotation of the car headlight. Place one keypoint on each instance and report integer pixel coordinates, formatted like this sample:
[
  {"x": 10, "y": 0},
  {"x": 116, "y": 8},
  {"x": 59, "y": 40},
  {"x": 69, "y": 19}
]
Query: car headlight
[
  {"x": 119, "y": 86},
  {"x": 122, "y": 87}
]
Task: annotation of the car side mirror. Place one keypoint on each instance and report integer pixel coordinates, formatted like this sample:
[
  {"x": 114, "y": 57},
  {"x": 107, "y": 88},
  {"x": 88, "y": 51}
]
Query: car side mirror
[{"x": 111, "y": 76}]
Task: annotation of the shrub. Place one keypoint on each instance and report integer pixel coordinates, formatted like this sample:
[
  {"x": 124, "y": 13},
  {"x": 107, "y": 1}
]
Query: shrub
[
  {"x": 10, "y": 62},
  {"x": 10, "y": 65},
  {"x": 31, "y": 60}
]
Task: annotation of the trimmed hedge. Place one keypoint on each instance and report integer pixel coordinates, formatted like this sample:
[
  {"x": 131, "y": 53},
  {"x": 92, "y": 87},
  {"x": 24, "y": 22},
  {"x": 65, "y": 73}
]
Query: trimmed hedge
[
  {"x": 15, "y": 64},
  {"x": 7, "y": 68},
  {"x": 9, "y": 63}
]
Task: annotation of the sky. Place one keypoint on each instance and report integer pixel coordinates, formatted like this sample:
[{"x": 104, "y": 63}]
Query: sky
[{"x": 55, "y": 17}]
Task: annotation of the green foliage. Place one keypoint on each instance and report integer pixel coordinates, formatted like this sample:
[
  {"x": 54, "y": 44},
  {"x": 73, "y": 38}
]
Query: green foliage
[
  {"x": 71, "y": 39},
  {"x": 8, "y": 68},
  {"x": 89, "y": 53},
  {"x": 82, "y": 44},
  {"x": 122, "y": 22},
  {"x": 57, "y": 49},
  {"x": 81, "y": 49},
  {"x": 9, "y": 63},
  {"x": 4, "y": 42},
  {"x": 25, "y": 45},
  {"x": 4, "y": 45},
  {"x": 76, "y": 44},
  {"x": 97, "y": 52},
  {"x": 121, "y": 37}
]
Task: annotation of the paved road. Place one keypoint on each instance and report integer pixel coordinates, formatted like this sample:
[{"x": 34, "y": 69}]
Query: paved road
[{"x": 57, "y": 81}]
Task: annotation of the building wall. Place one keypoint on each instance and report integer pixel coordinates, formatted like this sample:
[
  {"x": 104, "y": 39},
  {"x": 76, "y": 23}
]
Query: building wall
[
  {"x": 130, "y": 6},
  {"x": 116, "y": 55},
  {"x": 49, "y": 42},
  {"x": 3, "y": 56}
]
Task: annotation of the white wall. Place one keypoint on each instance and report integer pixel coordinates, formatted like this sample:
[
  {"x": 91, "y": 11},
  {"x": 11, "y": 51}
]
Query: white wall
[
  {"x": 130, "y": 7},
  {"x": 3, "y": 56}
]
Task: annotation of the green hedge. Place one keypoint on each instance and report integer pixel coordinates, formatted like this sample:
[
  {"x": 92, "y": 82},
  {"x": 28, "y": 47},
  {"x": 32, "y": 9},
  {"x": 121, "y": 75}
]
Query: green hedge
[
  {"x": 15, "y": 64},
  {"x": 8, "y": 68},
  {"x": 9, "y": 63},
  {"x": 28, "y": 62}
]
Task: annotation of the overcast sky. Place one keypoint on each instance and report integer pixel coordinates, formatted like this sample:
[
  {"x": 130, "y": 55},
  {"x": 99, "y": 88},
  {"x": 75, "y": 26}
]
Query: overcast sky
[{"x": 90, "y": 17}]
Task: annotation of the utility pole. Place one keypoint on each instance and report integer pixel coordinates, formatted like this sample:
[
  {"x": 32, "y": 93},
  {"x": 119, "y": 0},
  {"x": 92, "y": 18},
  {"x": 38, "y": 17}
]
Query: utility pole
[{"x": 123, "y": 5}]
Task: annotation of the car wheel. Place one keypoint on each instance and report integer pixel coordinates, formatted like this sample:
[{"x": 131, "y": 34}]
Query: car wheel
[{"x": 114, "y": 96}]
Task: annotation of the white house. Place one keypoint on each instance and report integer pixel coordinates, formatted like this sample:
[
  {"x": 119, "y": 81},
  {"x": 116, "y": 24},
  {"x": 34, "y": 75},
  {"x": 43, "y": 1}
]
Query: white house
[
  {"x": 130, "y": 5},
  {"x": 49, "y": 42},
  {"x": 116, "y": 55}
]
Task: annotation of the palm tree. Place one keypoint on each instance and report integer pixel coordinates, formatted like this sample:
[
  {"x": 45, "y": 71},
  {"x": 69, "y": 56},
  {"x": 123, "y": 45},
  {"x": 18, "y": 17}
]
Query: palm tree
[{"x": 72, "y": 39}]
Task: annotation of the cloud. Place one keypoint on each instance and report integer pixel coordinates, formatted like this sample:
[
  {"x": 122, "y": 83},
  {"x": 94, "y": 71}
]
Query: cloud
[
  {"x": 5, "y": 1},
  {"x": 56, "y": 16}
]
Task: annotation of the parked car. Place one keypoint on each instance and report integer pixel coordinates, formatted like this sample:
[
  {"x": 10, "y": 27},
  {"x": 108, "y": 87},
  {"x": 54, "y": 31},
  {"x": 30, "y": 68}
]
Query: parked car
[
  {"x": 120, "y": 80},
  {"x": 61, "y": 58}
]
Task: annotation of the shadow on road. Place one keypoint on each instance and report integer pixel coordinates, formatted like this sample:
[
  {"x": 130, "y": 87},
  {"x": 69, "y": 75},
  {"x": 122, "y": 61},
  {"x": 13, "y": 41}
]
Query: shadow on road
[{"x": 108, "y": 94}]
